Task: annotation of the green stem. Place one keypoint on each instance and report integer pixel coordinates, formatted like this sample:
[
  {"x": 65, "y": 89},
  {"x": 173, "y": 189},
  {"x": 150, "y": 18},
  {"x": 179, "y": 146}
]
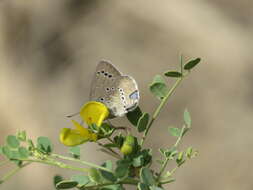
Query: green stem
[
  {"x": 162, "y": 169},
  {"x": 167, "y": 159},
  {"x": 80, "y": 161},
  {"x": 126, "y": 181},
  {"x": 167, "y": 181},
  {"x": 159, "y": 108},
  {"x": 181, "y": 64},
  {"x": 12, "y": 172},
  {"x": 180, "y": 136},
  {"x": 58, "y": 164}
]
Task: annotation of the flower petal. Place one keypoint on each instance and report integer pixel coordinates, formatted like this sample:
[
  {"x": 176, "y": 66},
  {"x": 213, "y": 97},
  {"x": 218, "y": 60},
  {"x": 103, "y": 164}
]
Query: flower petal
[
  {"x": 94, "y": 112},
  {"x": 72, "y": 137},
  {"x": 85, "y": 132}
]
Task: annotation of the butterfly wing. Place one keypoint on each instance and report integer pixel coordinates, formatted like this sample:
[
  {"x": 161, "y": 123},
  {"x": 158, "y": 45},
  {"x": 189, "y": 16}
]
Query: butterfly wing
[
  {"x": 103, "y": 80},
  {"x": 128, "y": 94},
  {"x": 119, "y": 93}
]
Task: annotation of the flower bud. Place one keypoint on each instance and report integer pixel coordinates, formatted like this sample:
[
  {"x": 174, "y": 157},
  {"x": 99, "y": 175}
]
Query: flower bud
[{"x": 128, "y": 145}]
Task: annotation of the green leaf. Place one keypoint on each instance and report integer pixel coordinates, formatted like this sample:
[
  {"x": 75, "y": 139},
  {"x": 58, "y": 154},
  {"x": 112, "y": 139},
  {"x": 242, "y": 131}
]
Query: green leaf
[
  {"x": 6, "y": 151},
  {"x": 15, "y": 155},
  {"x": 189, "y": 152},
  {"x": 158, "y": 87},
  {"x": 21, "y": 135},
  {"x": 143, "y": 186},
  {"x": 94, "y": 175},
  {"x": 12, "y": 141},
  {"x": 138, "y": 161},
  {"x": 57, "y": 179},
  {"x": 23, "y": 152},
  {"x": 134, "y": 116},
  {"x": 122, "y": 170},
  {"x": 106, "y": 129},
  {"x": 75, "y": 151},
  {"x": 44, "y": 144},
  {"x": 108, "y": 175},
  {"x": 81, "y": 179},
  {"x": 108, "y": 165},
  {"x": 191, "y": 64},
  {"x": 175, "y": 74},
  {"x": 176, "y": 132},
  {"x": 156, "y": 188},
  {"x": 170, "y": 153},
  {"x": 66, "y": 184},
  {"x": 146, "y": 176},
  {"x": 119, "y": 140},
  {"x": 142, "y": 158},
  {"x": 113, "y": 187},
  {"x": 143, "y": 122},
  {"x": 180, "y": 159},
  {"x": 187, "y": 118}
]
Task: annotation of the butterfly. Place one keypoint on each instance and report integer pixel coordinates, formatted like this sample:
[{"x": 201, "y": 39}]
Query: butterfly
[{"x": 118, "y": 92}]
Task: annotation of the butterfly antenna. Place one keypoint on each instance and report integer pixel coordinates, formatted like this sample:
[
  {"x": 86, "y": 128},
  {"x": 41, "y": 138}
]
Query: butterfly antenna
[{"x": 72, "y": 115}]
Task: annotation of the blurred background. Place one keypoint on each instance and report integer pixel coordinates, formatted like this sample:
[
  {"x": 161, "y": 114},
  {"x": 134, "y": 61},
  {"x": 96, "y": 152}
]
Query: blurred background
[{"x": 49, "y": 51}]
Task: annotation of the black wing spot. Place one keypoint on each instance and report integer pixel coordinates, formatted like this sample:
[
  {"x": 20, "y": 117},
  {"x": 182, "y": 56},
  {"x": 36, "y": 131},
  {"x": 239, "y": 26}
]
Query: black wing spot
[
  {"x": 102, "y": 71},
  {"x": 110, "y": 76},
  {"x": 106, "y": 74}
]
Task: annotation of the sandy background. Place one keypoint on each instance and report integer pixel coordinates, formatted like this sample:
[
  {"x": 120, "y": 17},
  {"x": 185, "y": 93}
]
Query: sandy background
[{"x": 49, "y": 50}]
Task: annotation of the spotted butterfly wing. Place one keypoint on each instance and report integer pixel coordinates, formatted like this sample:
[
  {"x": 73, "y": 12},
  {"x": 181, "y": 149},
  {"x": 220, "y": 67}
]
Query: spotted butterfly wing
[{"x": 118, "y": 92}]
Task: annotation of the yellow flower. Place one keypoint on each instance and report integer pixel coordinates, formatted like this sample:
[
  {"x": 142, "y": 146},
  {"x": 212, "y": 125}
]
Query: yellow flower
[
  {"x": 92, "y": 112},
  {"x": 79, "y": 135}
]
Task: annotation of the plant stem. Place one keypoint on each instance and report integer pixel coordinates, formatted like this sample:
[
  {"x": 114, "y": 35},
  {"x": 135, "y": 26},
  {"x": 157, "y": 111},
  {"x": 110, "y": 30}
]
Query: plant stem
[
  {"x": 126, "y": 181},
  {"x": 180, "y": 136},
  {"x": 167, "y": 181},
  {"x": 158, "y": 110},
  {"x": 80, "y": 161},
  {"x": 58, "y": 164},
  {"x": 162, "y": 169},
  {"x": 13, "y": 172},
  {"x": 181, "y": 64},
  {"x": 167, "y": 159}
]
